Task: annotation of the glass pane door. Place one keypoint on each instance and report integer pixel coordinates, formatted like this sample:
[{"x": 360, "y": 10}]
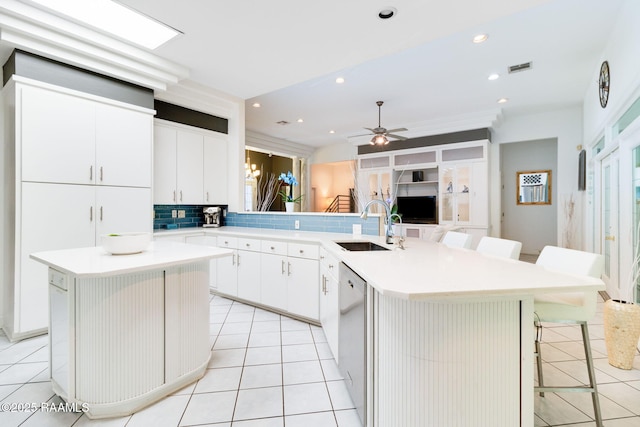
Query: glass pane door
[
  {"x": 636, "y": 208},
  {"x": 609, "y": 215}
]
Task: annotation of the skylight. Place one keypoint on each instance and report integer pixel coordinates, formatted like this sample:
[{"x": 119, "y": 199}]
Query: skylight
[{"x": 116, "y": 19}]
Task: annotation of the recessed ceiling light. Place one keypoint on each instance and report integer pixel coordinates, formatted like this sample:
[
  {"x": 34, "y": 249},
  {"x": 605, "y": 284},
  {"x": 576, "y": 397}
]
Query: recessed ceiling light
[
  {"x": 494, "y": 76},
  {"x": 256, "y": 105},
  {"x": 332, "y": 131},
  {"x": 340, "y": 80},
  {"x": 300, "y": 120},
  {"x": 480, "y": 38},
  {"x": 503, "y": 100},
  {"x": 116, "y": 19},
  {"x": 387, "y": 12}
]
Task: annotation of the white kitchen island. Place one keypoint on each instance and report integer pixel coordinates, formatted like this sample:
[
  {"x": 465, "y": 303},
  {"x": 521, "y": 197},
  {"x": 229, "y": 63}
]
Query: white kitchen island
[
  {"x": 127, "y": 330},
  {"x": 450, "y": 334}
]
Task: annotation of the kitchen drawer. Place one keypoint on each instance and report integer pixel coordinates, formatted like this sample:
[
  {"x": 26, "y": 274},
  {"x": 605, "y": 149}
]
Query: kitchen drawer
[
  {"x": 303, "y": 250},
  {"x": 229, "y": 242},
  {"x": 248, "y": 244},
  {"x": 274, "y": 247}
]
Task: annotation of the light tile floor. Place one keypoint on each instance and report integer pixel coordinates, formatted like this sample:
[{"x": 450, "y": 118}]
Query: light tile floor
[{"x": 267, "y": 370}]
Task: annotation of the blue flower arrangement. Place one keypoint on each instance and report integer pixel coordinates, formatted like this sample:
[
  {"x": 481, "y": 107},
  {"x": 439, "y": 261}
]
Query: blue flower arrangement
[{"x": 291, "y": 181}]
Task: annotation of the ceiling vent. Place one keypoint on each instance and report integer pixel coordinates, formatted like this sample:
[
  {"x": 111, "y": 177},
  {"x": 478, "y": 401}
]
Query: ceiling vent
[
  {"x": 283, "y": 123},
  {"x": 520, "y": 67}
]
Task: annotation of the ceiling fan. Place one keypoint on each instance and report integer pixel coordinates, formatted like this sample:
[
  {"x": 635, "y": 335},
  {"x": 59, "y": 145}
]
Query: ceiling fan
[{"x": 380, "y": 134}]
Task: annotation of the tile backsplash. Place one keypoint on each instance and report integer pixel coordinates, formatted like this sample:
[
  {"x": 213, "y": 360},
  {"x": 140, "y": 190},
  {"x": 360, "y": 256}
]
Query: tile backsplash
[
  {"x": 328, "y": 223},
  {"x": 193, "y": 217}
]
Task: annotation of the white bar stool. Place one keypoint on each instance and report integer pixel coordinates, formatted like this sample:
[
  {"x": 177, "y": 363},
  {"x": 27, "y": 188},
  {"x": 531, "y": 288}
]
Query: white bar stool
[
  {"x": 455, "y": 239},
  {"x": 499, "y": 247},
  {"x": 569, "y": 307}
]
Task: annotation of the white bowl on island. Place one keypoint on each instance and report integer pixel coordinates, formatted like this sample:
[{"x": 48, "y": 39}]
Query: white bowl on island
[{"x": 126, "y": 243}]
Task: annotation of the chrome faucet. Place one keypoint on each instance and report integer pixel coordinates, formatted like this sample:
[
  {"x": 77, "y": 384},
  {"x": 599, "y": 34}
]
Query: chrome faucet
[
  {"x": 387, "y": 220},
  {"x": 401, "y": 237}
]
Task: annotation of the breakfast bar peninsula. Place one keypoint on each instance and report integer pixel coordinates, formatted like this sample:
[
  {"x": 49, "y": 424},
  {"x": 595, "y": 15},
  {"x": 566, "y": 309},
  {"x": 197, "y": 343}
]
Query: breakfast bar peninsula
[{"x": 127, "y": 330}]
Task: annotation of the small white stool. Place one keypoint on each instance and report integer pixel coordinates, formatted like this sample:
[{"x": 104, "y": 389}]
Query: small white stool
[
  {"x": 455, "y": 239},
  {"x": 499, "y": 247},
  {"x": 569, "y": 307}
]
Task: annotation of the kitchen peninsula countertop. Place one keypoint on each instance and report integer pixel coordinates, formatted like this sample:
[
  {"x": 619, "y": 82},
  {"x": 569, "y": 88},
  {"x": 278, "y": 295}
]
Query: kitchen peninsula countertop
[{"x": 424, "y": 269}]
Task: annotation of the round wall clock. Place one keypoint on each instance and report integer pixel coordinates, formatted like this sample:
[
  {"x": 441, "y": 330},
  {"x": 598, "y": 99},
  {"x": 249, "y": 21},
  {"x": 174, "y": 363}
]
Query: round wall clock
[{"x": 603, "y": 84}]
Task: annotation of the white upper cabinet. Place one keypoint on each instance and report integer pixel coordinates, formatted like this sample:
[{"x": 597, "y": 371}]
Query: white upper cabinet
[
  {"x": 123, "y": 144},
  {"x": 57, "y": 134},
  {"x": 190, "y": 166},
  {"x": 216, "y": 169},
  {"x": 164, "y": 165},
  {"x": 71, "y": 140},
  {"x": 189, "y": 179}
]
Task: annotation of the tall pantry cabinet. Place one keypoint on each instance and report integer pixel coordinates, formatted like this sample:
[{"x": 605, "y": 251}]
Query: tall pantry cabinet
[{"x": 76, "y": 166}]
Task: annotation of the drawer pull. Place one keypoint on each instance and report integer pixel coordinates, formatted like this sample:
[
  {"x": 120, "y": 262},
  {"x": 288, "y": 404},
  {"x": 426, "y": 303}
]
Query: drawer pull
[
  {"x": 247, "y": 245},
  {"x": 272, "y": 248},
  {"x": 301, "y": 251}
]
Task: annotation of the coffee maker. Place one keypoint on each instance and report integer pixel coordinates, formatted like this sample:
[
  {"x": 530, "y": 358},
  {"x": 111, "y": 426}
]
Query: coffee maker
[{"x": 212, "y": 216}]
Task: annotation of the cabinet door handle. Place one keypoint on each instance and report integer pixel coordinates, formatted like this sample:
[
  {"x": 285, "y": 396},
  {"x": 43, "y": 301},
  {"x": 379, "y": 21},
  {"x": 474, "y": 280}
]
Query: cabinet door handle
[
  {"x": 233, "y": 259},
  {"x": 282, "y": 266},
  {"x": 101, "y": 174},
  {"x": 180, "y": 195},
  {"x": 238, "y": 260},
  {"x": 288, "y": 269},
  {"x": 91, "y": 173},
  {"x": 91, "y": 214},
  {"x": 100, "y": 213},
  {"x": 174, "y": 195},
  {"x": 207, "y": 196}
]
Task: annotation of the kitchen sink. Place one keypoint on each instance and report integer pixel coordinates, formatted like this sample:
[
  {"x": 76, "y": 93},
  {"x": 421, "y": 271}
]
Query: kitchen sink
[{"x": 361, "y": 246}]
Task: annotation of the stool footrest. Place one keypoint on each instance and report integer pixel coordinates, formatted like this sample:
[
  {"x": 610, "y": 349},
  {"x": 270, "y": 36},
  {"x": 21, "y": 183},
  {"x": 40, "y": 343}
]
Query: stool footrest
[{"x": 577, "y": 389}]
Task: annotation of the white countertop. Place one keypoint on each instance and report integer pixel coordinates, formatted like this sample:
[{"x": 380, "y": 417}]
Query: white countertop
[
  {"x": 96, "y": 262},
  {"x": 426, "y": 270}
]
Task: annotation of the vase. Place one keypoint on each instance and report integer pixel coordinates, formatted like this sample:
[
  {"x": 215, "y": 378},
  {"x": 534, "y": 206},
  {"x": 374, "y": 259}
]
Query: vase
[
  {"x": 621, "y": 332},
  {"x": 289, "y": 206}
]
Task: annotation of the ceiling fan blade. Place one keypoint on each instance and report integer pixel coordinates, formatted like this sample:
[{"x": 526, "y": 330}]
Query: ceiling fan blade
[
  {"x": 369, "y": 129},
  {"x": 397, "y": 130},
  {"x": 402, "y": 138},
  {"x": 360, "y": 134}
]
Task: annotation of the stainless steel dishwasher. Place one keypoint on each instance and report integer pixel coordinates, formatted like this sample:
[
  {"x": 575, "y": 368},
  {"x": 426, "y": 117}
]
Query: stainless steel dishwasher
[{"x": 352, "y": 337}]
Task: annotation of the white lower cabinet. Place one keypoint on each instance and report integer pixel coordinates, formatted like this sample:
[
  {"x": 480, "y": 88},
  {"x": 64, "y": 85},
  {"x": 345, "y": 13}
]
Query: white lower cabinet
[
  {"x": 77, "y": 216},
  {"x": 329, "y": 299},
  {"x": 303, "y": 293},
  {"x": 289, "y": 278},
  {"x": 273, "y": 270},
  {"x": 248, "y": 264},
  {"x": 227, "y": 270}
]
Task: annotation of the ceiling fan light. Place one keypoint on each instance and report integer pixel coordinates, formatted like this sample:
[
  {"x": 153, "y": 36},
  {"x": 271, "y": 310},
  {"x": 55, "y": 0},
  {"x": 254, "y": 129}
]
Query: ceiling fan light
[{"x": 379, "y": 140}]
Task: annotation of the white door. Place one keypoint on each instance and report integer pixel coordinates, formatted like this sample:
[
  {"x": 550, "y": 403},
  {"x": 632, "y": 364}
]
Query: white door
[
  {"x": 58, "y": 133},
  {"x": 54, "y": 216},
  {"x": 228, "y": 274},
  {"x": 303, "y": 288},
  {"x": 249, "y": 275},
  {"x": 273, "y": 291},
  {"x": 190, "y": 168},
  {"x": 123, "y": 209},
  {"x": 215, "y": 170},
  {"x": 123, "y": 146},
  {"x": 609, "y": 223},
  {"x": 164, "y": 166}
]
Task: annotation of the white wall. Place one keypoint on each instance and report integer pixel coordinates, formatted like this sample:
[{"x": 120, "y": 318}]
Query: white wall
[
  {"x": 621, "y": 52},
  {"x": 334, "y": 153},
  {"x": 566, "y": 126}
]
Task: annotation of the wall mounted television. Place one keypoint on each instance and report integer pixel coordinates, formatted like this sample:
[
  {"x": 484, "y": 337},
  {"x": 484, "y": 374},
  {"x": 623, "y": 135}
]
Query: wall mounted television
[{"x": 418, "y": 209}]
